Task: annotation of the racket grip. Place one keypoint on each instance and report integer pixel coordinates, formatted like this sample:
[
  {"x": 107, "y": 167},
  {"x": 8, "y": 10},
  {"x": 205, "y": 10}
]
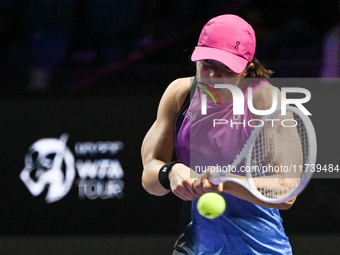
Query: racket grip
[{"x": 216, "y": 178}]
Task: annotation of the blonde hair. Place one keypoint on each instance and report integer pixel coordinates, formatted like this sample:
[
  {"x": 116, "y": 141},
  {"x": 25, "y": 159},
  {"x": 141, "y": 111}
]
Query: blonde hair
[{"x": 257, "y": 70}]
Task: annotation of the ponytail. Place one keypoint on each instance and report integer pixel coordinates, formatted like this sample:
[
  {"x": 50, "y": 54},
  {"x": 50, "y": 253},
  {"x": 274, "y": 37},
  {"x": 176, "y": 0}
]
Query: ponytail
[{"x": 257, "y": 70}]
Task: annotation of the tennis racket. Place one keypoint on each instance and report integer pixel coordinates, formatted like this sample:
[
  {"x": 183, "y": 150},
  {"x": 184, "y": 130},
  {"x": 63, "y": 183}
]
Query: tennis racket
[{"x": 275, "y": 164}]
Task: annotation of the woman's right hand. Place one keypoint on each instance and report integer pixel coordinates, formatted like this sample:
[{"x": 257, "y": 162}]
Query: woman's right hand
[{"x": 189, "y": 185}]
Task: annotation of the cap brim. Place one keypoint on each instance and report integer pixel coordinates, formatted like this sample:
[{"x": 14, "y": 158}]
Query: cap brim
[{"x": 234, "y": 62}]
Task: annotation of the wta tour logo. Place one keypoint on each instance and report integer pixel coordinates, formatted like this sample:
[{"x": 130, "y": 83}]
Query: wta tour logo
[
  {"x": 44, "y": 168},
  {"x": 50, "y": 165}
]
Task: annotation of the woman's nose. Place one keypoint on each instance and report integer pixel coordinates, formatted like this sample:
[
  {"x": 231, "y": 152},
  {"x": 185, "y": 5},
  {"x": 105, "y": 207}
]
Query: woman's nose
[{"x": 213, "y": 73}]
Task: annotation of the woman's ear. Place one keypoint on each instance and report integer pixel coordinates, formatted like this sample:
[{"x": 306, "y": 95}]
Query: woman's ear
[{"x": 250, "y": 66}]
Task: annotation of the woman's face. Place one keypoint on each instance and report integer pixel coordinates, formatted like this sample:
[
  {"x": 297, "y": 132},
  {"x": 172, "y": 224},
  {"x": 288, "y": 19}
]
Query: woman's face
[
  {"x": 213, "y": 72},
  {"x": 212, "y": 69}
]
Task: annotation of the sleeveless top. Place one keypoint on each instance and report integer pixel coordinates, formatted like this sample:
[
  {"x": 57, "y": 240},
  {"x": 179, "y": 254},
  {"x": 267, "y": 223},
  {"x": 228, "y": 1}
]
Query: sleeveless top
[{"x": 244, "y": 228}]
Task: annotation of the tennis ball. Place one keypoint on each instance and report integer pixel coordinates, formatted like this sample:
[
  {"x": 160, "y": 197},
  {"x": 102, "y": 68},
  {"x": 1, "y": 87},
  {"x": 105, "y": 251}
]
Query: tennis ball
[{"x": 211, "y": 205}]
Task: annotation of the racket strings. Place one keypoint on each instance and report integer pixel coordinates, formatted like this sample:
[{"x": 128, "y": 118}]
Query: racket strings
[{"x": 278, "y": 157}]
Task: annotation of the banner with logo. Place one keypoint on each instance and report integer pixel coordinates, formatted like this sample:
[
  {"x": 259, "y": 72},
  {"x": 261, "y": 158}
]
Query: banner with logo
[{"x": 73, "y": 165}]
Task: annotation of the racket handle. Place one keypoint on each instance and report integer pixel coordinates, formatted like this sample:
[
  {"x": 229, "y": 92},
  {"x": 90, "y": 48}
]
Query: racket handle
[{"x": 215, "y": 178}]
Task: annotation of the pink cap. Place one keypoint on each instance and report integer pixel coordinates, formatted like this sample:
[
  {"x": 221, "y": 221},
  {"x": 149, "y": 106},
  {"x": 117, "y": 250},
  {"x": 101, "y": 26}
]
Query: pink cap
[{"x": 228, "y": 39}]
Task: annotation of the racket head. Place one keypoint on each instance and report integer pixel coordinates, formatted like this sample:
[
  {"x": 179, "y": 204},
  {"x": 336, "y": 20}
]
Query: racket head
[{"x": 280, "y": 156}]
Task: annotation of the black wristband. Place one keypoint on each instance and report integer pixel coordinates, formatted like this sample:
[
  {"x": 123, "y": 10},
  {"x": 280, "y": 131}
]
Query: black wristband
[{"x": 164, "y": 172}]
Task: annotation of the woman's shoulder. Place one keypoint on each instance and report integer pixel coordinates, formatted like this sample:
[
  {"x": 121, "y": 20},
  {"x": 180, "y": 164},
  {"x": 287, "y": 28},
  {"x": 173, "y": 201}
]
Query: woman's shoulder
[
  {"x": 179, "y": 89},
  {"x": 181, "y": 85},
  {"x": 263, "y": 95},
  {"x": 258, "y": 82}
]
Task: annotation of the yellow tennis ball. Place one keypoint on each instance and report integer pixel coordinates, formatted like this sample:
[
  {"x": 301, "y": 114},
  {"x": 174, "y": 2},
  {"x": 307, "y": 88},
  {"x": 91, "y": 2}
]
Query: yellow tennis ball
[{"x": 211, "y": 205}]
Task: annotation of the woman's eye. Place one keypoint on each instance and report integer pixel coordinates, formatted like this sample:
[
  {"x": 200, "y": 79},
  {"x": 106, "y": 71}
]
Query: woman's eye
[
  {"x": 228, "y": 70},
  {"x": 207, "y": 62}
]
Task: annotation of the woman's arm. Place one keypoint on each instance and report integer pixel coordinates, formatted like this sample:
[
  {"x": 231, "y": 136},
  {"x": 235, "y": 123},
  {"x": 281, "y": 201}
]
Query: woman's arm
[
  {"x": 158, "y": 149},
  {"x": 158, "y": 144}
]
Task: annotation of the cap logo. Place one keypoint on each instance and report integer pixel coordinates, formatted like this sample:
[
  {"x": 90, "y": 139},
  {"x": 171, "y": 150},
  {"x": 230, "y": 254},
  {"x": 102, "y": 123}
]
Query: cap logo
[{"x": 237, "y": 44}]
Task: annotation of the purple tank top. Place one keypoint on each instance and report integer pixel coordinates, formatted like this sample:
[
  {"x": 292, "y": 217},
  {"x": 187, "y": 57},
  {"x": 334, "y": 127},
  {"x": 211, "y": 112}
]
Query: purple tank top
[{"x": 199, "y": 143}]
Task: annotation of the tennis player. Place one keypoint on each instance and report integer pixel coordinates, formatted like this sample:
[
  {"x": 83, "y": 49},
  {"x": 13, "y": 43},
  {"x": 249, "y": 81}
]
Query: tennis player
[{"x": 225, "y": 49}]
